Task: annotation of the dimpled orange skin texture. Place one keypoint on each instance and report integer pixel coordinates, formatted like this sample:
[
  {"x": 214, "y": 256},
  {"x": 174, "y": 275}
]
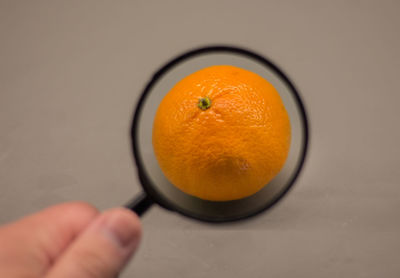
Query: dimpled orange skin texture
[{"x": 230, "y": 150}]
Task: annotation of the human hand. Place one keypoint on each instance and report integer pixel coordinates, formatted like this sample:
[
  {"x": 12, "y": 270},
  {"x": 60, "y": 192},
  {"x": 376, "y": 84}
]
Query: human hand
[{"x": 69, "y": 240}]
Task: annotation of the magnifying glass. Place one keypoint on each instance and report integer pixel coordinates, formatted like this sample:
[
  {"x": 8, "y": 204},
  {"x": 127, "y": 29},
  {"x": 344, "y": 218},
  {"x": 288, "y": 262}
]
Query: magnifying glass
[{"x": 156, "y": 187}]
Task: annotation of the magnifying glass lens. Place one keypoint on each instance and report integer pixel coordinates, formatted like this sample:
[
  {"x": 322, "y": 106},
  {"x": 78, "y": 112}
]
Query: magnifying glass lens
[{"x": 160, "y": 189}]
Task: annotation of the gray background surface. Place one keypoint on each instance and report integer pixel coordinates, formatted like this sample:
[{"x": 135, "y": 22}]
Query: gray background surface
[{"x": 70, "y": 75}]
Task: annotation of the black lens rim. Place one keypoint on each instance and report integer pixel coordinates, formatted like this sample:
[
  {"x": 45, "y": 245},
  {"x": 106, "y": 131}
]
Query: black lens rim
[{"x": 146, "y": 181}]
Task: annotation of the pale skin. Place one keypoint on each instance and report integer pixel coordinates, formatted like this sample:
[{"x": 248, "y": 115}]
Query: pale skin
[{"x": 69, "y": 240}]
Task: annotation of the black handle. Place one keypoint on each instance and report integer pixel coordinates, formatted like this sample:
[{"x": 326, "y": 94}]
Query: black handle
[{"x": 140, "y": 204}]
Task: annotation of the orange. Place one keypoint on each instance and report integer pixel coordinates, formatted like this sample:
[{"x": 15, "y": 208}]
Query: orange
[{"x": 221, "y": 133}]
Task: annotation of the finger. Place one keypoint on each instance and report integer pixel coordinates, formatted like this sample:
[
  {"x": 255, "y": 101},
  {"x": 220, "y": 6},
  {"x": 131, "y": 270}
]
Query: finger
[
  {"x": 102, "y": 249},
  {"x": 37, "y": 240}
]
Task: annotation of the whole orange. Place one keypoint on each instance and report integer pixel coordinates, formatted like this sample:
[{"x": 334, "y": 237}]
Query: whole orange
[{"x": 221, "y": 133}]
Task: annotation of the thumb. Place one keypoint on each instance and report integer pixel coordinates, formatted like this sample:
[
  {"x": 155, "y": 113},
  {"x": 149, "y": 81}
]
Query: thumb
[{"x": 103, "y": 248}]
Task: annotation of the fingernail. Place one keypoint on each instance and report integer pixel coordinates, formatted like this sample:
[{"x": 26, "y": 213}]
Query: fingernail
[{"x": 123, "y": 227}]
